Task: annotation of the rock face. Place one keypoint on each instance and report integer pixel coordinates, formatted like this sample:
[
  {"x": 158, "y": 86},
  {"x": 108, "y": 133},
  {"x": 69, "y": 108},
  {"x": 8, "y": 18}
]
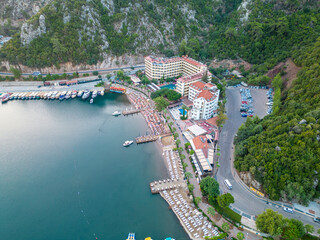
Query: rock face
[
  {"x": 20, "y": 9},
  {"x": 29, "y": 32}
]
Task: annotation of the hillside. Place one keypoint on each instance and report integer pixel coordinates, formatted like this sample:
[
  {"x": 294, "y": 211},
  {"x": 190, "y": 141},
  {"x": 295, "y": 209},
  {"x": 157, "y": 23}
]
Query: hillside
[
  {"x": 81, "y": 31},
  {"x": 282, "y": 151},
  {"x": 262, "y": 33}
]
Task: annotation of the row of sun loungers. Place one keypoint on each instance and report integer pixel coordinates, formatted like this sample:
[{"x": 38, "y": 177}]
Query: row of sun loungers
[{"x": 196, "y": 224}]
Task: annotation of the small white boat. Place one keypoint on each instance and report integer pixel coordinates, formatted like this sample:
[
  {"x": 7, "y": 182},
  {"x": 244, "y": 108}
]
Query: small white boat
[
  {"x": 68, "y": 95},
  {"x": 102, "y": 93},
  {"x": 127, "y": 143},
  {"x": 91, "y": 100},
  {"x": 116, "y": 113},
  {"x": 94, "y": 94},
  {"x": 74, "y": 94},
  {"x": 80, "y": 94}
]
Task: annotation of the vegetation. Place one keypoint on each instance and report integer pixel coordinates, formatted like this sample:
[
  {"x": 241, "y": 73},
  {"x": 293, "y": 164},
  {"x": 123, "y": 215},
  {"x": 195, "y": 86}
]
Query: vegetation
[
  {"x": 170, "y": 94},
  {"x": 161, "y": 103},
  {"x": 226, "y": 227},
  {"x": 211, "y": 211},
  {"x": 225, "y": 200},
  {"x": 281, "y": 151},
  {"x": 209, "y": 187},
  {"x": 275, "y": 224},
  {"x": 240, "y": 236}
]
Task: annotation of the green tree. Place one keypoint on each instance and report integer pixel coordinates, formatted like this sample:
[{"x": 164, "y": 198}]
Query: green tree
[
  {"x": 211, "y": 211},
  {"x": 184, "y": 165},
  {"x": 176, "y": 135},
  {"x": 180, "y": 149},
  {"x": 294, "y": 229},
  {"x": 277, "y": 82},
  {"x": 209, "y": 187},
  {"x": 161, "y": 103},
  {"x": 95, "y": 73},
  {"x": 225, "y": 200},
  {"x": 270, "y": 222},
  {"x": 309, "y": 228},
  {"x": 188, "y": 175},
  {"x": 16, "y": 72},
  {"x": 178, "y": 141},
  {"x": 182, "y": 157},
  {"x": 318, "y": 231},
  {"x": 197, "y": 200},
  {"x": 240, "y": 236},
  {"x": 226, "y": 227},
  {"x": 186, "y": 145},
  {"x": 190, "y": 187}
]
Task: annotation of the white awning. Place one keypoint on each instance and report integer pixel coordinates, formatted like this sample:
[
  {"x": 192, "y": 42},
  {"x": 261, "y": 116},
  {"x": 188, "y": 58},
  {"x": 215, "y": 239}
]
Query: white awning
[{"x": 196, "y": 130}]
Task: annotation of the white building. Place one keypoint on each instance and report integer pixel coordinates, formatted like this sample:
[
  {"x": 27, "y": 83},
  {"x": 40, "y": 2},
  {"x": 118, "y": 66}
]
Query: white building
[{"x": 205, "y": 98}]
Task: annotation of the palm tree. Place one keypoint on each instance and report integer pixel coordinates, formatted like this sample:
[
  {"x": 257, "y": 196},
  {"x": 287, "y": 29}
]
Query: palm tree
[{"x": 188, "y": 175}]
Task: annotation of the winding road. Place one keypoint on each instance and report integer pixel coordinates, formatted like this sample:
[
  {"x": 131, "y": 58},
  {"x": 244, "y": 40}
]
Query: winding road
[
  {"x": 246, "y": 203},
  {"x": 81, "y": 71}
]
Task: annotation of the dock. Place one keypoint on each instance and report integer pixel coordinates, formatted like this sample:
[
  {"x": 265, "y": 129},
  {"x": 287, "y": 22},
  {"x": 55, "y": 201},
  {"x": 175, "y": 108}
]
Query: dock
[
  {"x": 145, "y": 139},
  {"x": 166, "y": 184},
  {"x": 130, "y": 111}
]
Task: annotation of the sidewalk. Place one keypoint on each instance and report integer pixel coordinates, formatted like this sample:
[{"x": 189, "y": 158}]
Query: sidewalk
[{"x": 197, "y": 192}]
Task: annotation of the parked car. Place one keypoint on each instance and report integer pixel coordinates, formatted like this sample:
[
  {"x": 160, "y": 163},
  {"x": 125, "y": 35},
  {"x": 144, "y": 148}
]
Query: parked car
[
  {"x": 317, "y": 219},
  {"x": 289, "y": 210}
]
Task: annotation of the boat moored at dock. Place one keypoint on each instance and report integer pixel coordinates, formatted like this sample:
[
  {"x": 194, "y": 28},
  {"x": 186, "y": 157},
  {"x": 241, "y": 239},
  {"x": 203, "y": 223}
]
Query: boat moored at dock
[
  {"x": 94, "y": 94},
  {"x": 86, "y": 94},
  {"x": 74, "y": 94},
  {"x": 80, "y": 93}
]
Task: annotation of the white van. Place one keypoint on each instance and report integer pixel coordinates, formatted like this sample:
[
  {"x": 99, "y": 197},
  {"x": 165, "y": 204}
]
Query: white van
[{"x": 228, "y": 184}]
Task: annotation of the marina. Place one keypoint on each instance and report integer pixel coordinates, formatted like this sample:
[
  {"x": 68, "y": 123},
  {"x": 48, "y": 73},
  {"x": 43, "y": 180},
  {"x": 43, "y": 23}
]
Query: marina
[{"x": 51, "y": 95}]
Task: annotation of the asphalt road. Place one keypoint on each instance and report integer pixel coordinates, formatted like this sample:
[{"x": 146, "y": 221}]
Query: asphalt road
[
  {"x": 245, "y": 201},
  {"x": 81, "y": 72}
]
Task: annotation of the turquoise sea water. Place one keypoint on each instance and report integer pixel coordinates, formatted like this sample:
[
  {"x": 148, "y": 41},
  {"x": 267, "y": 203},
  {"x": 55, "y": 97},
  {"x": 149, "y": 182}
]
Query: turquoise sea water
[{"x": 65, "y": 175}]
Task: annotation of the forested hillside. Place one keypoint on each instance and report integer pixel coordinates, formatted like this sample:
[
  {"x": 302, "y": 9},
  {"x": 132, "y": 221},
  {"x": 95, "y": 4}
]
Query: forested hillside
[
  {"x": 83, "y": 31},
  {"x": 282, "y": 151},
  {"x": 88, "y": 31}
]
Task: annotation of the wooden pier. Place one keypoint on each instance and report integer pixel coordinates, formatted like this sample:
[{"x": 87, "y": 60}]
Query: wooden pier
[
  {"x": 145, "y": 139},
  {"x": 130, "y": 111}
]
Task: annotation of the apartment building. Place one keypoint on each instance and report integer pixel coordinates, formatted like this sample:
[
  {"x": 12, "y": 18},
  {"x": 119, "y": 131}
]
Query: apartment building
[
  {"x": 156, "y": 68},
  {"x": 183, "y": 83},
  {"x": 205, "y": 97}
]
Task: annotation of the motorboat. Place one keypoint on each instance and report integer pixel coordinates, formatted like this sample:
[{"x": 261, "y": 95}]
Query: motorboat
[
  {"x": 94, "y": 94},
  {"x": 116, "y": 113},
  {"x": 102, "y": 93},
  {"x": 127, "y": 143},
  {"x": 62, "y": 95},
  {"x": 86, "y": 94},
  {"x": 74, "y": 94},
  {"x": 80, "y": 93},
  {"x": 91, "y": 100},
  {"x": 68, "y": 95}
]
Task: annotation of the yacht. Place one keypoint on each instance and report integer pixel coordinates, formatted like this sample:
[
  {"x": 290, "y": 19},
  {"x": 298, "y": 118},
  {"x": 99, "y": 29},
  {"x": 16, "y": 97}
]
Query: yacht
[
  {"x": 94, "y": 94},
  {"x": 127, "y": 143},
  {"x": 80, "y": 94},
  {"x": 86, "y": 94},
  {"x": 116, "y": 113}
]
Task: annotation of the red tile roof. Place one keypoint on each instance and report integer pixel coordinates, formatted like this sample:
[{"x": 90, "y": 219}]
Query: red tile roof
[
  {"x": 201, "y": 85},
  {"x": 200, "y": 142},
  {"x": 206, "y": 94}
]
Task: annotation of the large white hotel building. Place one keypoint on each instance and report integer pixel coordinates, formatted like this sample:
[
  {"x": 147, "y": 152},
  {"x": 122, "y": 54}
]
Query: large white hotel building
[{"x": 190, "y": 70}]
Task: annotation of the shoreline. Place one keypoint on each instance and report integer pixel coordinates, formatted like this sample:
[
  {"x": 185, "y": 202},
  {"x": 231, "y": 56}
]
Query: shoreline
[{"x": 192, "y": 221}]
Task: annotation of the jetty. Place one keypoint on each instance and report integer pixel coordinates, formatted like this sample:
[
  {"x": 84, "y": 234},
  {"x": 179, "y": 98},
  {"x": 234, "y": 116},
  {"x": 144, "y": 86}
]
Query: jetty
[
  {"x": 130, "y": 111},
  {"x": 145, "y": 139}
]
